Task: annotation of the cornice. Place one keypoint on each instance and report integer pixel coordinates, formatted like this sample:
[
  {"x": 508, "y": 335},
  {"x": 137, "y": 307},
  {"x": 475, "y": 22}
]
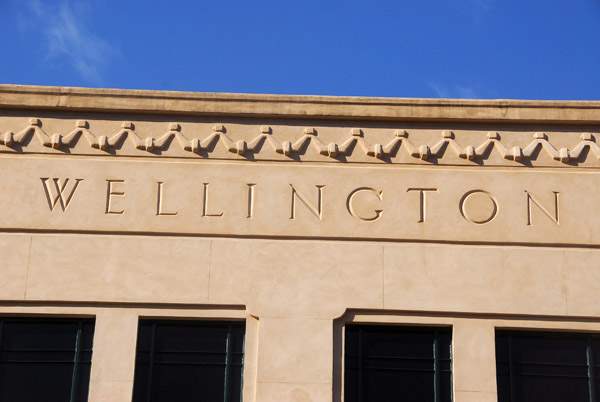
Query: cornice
[
  {"x": 109, "y": 122},
  {"x": 294, "y": 106}
]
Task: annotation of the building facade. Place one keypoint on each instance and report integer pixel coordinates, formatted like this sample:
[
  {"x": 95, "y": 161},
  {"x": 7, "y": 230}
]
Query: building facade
[{"x": 297, "y": 248}]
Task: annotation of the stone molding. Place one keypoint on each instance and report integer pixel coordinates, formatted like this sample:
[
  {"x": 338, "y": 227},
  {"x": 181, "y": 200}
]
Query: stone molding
[
  {"x": 305, "y": 146},
  {"x": 294, "y": 106},
  {"x": 110, "y": 122}
]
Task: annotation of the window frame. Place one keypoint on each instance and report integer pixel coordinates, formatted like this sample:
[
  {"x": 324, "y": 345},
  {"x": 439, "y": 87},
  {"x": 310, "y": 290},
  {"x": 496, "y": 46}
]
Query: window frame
[
  {"x": 592, "y": 366},
  {"x": 436, "y": 330},
  {"x": 77, "y": 351},
  {"x": 229, "y": 323}
]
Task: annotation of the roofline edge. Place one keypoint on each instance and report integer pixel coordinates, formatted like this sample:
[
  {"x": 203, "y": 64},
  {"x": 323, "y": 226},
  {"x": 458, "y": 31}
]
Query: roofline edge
[{"x": 297, "y": 106}]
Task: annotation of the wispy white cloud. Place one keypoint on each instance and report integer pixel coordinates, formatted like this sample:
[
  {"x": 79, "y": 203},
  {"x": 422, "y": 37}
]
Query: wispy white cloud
[
  {"x": 466, "y": 92},
  {"x": 68, "y": 38},
  {"x": 441, "y": 91},
  {"x": 454, "y": 91}
]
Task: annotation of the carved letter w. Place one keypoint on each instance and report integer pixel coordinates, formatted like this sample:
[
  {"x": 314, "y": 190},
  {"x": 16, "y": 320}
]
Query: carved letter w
[{"x": 60, "y": 190}]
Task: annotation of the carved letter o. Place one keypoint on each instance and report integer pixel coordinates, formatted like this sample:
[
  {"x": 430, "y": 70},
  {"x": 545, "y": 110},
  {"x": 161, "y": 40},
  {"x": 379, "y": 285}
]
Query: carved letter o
[{"x": 486, "y": 203}]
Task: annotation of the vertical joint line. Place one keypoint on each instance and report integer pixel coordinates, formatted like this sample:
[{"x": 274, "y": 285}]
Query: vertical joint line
[
  {"x": 1, "y": 332},
  {"x": 451, "y": 353},
  {"x": 151, "y": 363},
  {"x": 76, "y": 360},
  {"x": 227, "y": 363},
  {"x": 511, "y": 380},
  {"x": 360, "y": 365},
  {"x": 243, "y": 363},
  {"x": 436, "y": 367},
  {"x": 591, "y": 373}
]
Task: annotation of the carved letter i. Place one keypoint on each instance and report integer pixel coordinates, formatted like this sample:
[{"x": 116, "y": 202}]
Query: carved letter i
[{"x": 251, "y": 200}]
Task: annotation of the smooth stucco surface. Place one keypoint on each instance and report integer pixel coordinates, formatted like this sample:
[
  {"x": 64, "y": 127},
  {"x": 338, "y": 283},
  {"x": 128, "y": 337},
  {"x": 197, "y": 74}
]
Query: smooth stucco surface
[{"x": 298, "y": 215}]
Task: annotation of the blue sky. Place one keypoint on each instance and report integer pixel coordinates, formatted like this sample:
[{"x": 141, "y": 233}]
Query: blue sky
[{"x": 511, "y": 49}]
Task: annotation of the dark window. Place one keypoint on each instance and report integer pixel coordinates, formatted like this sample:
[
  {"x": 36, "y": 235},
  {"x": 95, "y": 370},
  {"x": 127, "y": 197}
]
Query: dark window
[
  {"x": 45, "y": 359},
  {"x": 547, "y": 366},
  {"x": 394, "y": 363},
  {"x": 189, "y": 361}
]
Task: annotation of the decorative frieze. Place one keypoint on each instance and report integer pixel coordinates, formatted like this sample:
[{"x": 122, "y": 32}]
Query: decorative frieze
[{"x": 306, "y": 145}]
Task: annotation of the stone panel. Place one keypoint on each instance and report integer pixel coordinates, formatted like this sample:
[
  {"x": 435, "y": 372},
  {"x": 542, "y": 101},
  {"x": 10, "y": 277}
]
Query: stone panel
[
  {"x": 473, "y": 356},
  {"x": 118, "y": 269},
  {"x": 296, "y": 278},
  {"x": 295, "y": 350},
  {"x": 293, "y": 392},
  {"x": 582, "y": 272},
  {"x": 14, "y": 250},
  {"x": 475, "y": 279},
  {"x": 297, "y": 201}
]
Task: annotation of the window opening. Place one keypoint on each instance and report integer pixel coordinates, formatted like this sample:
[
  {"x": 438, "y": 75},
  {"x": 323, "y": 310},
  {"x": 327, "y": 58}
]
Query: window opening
[
  {"x": 385, "y": 363},
  {"x": 547, "y": 366},
  {"x": 45, "y": 359},
  {"x": 189, "y": 360}
]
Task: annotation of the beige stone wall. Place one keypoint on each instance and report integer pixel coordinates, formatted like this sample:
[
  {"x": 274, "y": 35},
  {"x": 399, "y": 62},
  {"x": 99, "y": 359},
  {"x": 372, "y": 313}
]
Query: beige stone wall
[{"x": 298, "y": 215}]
